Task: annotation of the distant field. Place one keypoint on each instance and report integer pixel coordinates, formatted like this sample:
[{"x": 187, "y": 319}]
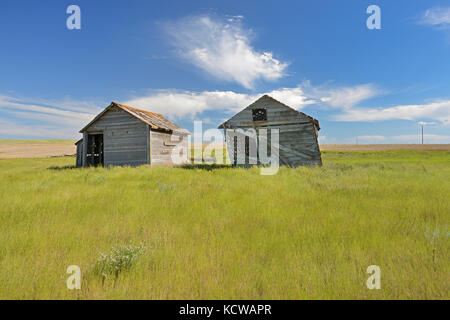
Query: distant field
[
  {"x": 16, "y": 149},
  {"x": 383, "y": 147},
  {"x": 36, "y": 141},
  {"x": 305, "y": 233}
]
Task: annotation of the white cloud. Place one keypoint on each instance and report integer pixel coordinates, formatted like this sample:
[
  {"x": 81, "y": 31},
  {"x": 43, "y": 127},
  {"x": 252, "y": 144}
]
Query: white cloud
[
  {"x": 19, "y": 129},
  {"x": 12, "y": 105},
  {"x": 424, "y": 123},
  {"x": 173, "y": 103},
  {"x": 366, "y": 139},
  {"x": 176, "y": 104},
  {"x": 223, "y": 49},
  {"x": 38, "y": 118},
  {"x": 293, "y": 97},
  {"x": 438, "y": 111},
  {"x": 44, "y": 118},
  {"x": 342, "y": 97},
  {"x": 347, "y": 97},
  {"x": 437, "y": 16}
]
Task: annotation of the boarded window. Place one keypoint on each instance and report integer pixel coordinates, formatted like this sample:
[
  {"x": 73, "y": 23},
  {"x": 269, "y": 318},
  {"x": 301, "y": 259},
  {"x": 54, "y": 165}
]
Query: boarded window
[{"x": 259, "y": 114}]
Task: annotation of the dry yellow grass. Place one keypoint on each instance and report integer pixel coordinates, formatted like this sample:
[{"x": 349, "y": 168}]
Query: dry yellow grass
[{"x": 17, "y": 149}]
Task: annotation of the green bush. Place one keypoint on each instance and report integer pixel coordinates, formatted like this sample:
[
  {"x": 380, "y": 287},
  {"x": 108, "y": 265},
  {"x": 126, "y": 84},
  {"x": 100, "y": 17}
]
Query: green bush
[{"x": 120, "y": 259}]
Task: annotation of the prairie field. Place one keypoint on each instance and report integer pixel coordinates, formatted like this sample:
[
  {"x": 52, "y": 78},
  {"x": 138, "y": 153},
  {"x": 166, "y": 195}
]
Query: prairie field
[
  {"x": 230, "y": 233},
  {"x": 13, "y": 149}
]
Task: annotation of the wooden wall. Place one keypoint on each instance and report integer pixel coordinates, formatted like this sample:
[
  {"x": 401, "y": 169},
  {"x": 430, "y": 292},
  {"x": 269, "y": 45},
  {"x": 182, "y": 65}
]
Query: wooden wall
[
  {"x": 162, "y": 145},
  {"x": 297, "y": 133},
  {"x": 129, "y": 141},
  {"x": 125, "y": 138},
  {"x": 79, "y": 161}
]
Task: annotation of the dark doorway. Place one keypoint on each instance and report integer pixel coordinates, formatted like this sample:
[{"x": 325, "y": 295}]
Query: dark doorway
[
  {"x": 235, "y": 150},
  {"x": 95, "y": 150}
]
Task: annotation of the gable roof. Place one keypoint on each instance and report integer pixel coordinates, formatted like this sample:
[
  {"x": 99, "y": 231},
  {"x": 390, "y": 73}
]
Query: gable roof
[
  {"x": 156, "y": 121},
  {"x": 264, "y": 97}
]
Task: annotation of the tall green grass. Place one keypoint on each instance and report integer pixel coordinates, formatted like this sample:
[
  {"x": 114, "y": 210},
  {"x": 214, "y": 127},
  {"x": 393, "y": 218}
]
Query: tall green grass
[{"x": 305, "y": 233}]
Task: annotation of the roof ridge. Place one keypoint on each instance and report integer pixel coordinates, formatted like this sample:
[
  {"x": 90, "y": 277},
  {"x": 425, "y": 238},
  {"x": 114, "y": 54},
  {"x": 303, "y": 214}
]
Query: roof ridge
[
  {"x": 154, "y": 120},
  {"x": 137, "y": 109}
]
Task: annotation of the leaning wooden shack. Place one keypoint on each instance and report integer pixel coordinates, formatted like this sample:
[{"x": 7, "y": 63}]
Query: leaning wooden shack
[
  {"x": 298, "y": 133},
  {"x": 122, "y": 135}
]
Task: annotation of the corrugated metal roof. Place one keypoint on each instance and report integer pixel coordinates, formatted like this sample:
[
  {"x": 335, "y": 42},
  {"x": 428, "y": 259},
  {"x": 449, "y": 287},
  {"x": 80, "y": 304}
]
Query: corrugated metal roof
[{"x": 155, "y": 120}]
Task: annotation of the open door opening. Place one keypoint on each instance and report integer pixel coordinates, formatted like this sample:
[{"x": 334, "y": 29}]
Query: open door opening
[{"x": 95, "y": 150}]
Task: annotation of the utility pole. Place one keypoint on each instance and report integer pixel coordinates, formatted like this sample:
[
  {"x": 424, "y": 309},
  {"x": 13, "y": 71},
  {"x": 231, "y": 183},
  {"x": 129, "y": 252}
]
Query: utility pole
[{"x": 422, "y": 133}]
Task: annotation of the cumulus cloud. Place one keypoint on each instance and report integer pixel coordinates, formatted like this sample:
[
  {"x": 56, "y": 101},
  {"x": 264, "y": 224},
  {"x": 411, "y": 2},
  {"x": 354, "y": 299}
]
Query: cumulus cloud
[
  {"x": 177, "y": 104},
  {"x": 438, "y": 111},
  {"x": 437, "y": 16},
  {"x": 223, "y": 49},
  {"x": 67, "y": 116},
  {"x": 293, "y": 97},
  {"x": 174, "y": 103},
  {"x": 63, "y": 119}
]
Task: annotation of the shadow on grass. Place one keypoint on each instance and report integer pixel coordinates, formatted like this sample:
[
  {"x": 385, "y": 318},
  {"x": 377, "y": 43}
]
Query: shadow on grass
[
  {"x": 58, "y": 168},
  {"x": 207, "y": 167}
]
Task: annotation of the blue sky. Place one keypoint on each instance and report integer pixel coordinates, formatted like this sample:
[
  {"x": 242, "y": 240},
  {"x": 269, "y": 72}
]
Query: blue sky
[{"x": 206, "y": 60}]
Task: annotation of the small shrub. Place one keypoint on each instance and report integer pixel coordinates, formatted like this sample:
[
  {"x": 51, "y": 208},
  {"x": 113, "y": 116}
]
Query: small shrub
[
  {"x": 120, "y": 259},
  {"x": 165, "y": 187}
]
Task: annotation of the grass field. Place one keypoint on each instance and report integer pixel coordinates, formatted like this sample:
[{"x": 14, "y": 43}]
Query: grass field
[{"x": 305, "y": 233}]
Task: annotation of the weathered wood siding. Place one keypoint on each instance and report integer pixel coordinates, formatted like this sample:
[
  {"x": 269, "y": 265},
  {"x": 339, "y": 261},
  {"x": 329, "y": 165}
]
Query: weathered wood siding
[
  {"x": 162, "y": 146},
  {"x": 297, "y": 133},
  {"x": 79, "y": 162},
  {"x": 124, "y": 138},
  {"x": 84, "y": 149}
]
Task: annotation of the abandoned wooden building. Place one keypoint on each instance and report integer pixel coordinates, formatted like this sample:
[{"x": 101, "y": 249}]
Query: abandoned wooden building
[
  {"x": 298, "y": 140},
  {"x": 122, "y": 135}
]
